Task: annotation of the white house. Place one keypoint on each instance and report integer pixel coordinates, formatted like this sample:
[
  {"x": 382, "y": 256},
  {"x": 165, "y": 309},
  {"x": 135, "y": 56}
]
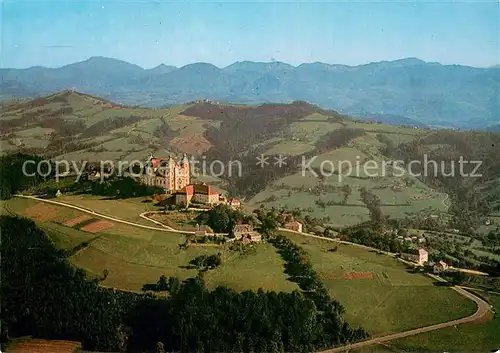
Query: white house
[{"x": 423, "y": 256}]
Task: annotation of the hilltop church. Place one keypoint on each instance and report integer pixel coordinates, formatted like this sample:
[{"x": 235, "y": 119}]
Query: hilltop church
[
  {"x": 167, "y": 173},
  {"x": 175, "y": 178}
]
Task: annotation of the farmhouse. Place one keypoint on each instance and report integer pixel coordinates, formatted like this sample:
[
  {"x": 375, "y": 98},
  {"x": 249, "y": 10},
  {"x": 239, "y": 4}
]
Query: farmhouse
[
  {"x": 95, "y": 175},
  {"x": 234, "y": 203},
  {"x": 246, "y": 233},
  {"x": 294, "y": 225},
  {"x": 253, "y": 238},
  {"x": 166, "y": 173},
  {"x": 420, "y": 258}
]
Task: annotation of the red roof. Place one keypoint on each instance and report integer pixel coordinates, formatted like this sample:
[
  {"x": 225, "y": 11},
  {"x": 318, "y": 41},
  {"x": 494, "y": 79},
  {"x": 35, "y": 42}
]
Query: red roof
[
  {"x": 156, "y": 162},
  {"x": 192, "y": 189},
  {"x": 187, "y": 190},
  {"x": 212, "y": 191},
  {"x": 204, "y": 189}
]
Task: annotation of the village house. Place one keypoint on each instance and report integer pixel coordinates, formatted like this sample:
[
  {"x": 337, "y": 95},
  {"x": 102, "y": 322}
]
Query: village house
[
  {"x": 440, "y": 266},
  {"x": 95, "y": 175},
  {"x": 203, "y": 230},
  {"x": 252, "y": 238},
  {"x": 233, "y": 203},
  {"x": 420, "y": 258},
  {"x": 423, "y": 256},
  {"x": 294, "y": 225},
  {"x": 245, "y": 233},
  {"x": 166, "y": 173}
]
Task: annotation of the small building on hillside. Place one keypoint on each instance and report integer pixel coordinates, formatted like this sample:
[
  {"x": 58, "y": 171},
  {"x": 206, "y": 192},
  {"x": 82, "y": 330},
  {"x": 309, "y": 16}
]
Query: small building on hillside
[
  {"x": 203, "y": 230},
  {"x": 252, "y": 238},
  {"x": 233, "y": 203},
  {"x": 241, "y": 230},
  {"x": 440, "y": 266},
  {"x": 423, "y": 256},
  {"x": 285, "y": 217},
  {"x": 294, "y": 225},
  {"x": 94, "y": 175},
  {"x": 200, "y": 233},
  {"x": 245, "y": 233}
]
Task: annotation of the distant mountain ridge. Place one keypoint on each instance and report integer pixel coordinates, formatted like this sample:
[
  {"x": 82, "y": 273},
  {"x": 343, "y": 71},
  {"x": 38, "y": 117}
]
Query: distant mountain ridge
[{"x": 429, "y": 93}]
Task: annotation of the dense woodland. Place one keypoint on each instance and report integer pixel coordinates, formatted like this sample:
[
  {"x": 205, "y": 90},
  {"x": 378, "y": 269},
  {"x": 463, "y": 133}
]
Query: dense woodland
[
  {"x": 255, "y": 124},
  {"x": 14, "y": 180},
  {"x": 43, "y": 296}
]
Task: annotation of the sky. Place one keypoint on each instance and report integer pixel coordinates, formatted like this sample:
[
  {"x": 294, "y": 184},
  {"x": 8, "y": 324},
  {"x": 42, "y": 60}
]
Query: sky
[{"x": 148, "y": 33}]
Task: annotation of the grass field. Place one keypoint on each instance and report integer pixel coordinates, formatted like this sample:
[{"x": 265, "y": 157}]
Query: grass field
[
  {"x": 177, "y": 220},
  {"x": 298, "y": 190},
  {"x": 126, "y": 209},
  {"x": 379, "y": 291},
  {"x": 377, "y": 304},
  {"x": 135, "y": 256},
  {"x": 376, "y": 348},
  {"x": 482, "y": 336}
]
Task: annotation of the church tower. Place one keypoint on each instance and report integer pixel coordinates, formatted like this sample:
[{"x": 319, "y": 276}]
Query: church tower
[
  {"x": 170, "y": 175},
  {"x": 182, "y": 173}
]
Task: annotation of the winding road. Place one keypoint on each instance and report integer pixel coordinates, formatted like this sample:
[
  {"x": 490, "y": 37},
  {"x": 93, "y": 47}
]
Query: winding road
[{"x": 482, "y": 306}]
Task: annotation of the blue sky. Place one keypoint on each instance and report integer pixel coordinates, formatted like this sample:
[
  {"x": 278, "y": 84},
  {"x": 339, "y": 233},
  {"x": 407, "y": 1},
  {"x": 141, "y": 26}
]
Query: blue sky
[{"x": 148, "y": 33}]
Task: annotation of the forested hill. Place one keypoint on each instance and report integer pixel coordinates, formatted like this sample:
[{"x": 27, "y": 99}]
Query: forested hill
[
  {"x": 43, "y": 296},
  {"x": 442, "y": 95}
]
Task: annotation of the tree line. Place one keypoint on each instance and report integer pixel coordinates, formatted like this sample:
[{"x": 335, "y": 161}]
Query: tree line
[
  {"x": 298, "y": 266},
  {"x": 12, "y": 177}
]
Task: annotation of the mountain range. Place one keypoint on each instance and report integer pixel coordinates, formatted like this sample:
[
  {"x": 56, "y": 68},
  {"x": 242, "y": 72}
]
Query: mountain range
[{"x": 426, "y": 93}]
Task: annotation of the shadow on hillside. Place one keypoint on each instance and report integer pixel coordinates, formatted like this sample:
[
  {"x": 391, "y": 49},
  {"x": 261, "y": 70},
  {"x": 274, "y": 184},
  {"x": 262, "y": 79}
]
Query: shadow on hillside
[
  {"x": 442, "y": 284},
  {"x": 188, "y": 267}
]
